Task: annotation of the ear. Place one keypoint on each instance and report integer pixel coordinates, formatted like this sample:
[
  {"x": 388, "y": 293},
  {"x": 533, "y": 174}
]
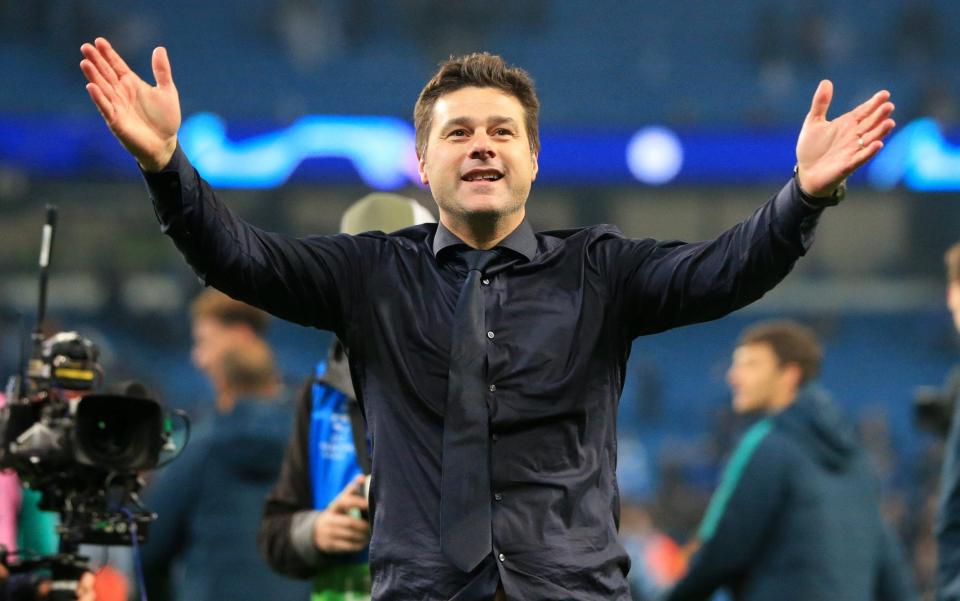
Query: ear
[
  {"x": 422, "y": 169},
  {"x": 536, "y": 165},
  {"x": 793, "y": 374}
]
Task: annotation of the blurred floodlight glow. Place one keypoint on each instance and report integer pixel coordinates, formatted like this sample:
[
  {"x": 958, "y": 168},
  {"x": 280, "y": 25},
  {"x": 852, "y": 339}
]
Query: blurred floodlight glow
[
  {"x": 381, "y": 150},
  {"x": 919, "y": 156},
  {"x": 655, "y": 155}
]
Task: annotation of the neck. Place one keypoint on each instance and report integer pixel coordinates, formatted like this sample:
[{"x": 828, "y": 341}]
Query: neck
[
  {"x": 482, "y": 231},
  {"x": 781, "y": 401},
  {"x": 226, "y": 401},
  {"x": 227, "y": 398}
]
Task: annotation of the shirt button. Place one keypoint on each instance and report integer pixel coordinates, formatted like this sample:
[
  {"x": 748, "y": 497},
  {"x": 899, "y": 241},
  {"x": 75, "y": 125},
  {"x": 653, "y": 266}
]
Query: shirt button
[
  {"x": 498, "y": 497},
  {"x": 490, "y": 335},
  {"x": 495, "y": 436},
  {"x": 486, "y": 282},
  {"x": 502, "y": 557},
  {"x": 493, "y": 388}
]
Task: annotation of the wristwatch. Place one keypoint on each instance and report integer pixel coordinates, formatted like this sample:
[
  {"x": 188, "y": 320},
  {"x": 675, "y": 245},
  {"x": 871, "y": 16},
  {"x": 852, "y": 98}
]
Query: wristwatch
[{"x": 819, "y": 202}]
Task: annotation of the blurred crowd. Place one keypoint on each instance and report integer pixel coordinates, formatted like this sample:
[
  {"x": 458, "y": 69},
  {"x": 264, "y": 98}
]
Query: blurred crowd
[{"x": 302, "y": 46}]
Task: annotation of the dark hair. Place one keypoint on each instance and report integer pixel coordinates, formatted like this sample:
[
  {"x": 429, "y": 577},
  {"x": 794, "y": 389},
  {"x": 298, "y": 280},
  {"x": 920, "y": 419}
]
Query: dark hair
[
  {"x": 481, "y": 70},
  {"x": 213, "y": 304},
  {"x": 791, "y": 343},
  {"x": 952, "y": 260}
]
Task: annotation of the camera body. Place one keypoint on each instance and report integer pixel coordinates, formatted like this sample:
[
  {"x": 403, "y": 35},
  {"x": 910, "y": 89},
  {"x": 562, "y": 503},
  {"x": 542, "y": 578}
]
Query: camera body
[{"x": 82, "y": 450}]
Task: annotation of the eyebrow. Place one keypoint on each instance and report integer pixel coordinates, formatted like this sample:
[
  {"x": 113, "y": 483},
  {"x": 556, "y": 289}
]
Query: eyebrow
[{"x": 468, "y": 122}]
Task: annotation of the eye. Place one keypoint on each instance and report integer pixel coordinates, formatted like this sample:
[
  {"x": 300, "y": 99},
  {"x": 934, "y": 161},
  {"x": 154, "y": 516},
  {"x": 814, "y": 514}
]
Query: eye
[
  {"x": 457, "y": 133},
  {"x": 502, "y": 131}
]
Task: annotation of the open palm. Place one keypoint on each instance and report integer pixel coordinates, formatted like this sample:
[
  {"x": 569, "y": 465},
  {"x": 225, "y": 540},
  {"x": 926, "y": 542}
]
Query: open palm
[
  {"x": 144, "y": 118},
  {"x": 829, "y": 151}
]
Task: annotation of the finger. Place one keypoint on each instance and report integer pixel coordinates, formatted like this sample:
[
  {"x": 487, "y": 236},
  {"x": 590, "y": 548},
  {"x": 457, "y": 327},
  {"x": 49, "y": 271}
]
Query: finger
[
  {"x": 346, "y": 522},
  {"x": 93, "y": 75},
  {"x": 821, "y": 100},
  {"x": 359, "y": 528},
  {"x": 102, "y": 103},
  {"x": 340, "y": 539},
  {"x": 862, "y": 156},
  {"x": 879, "y": 132},
  {"x": 162, "y": 72},
  {"x": 348, "y": 497},
  {"x": 117, "y": 63},
  {"x": 356, "y": 484},
  {"x": 869, "y": 105},
  {"x": 345, "y": 546},
  {"x": 354, "y": 536},
  {"x": 346, "y": 503},
  {"x": 100, "y": 63},
  {"x": 352, "y": 487},
  {"x": 876, "y": 117}
]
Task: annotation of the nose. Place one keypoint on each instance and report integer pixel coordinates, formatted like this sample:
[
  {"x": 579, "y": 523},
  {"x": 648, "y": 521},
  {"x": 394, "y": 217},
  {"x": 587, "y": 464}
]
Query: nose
[{"x": 481, "y": 148}]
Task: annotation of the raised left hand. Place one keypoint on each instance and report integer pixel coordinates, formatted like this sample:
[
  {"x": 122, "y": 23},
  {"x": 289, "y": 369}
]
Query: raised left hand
[{"x": 829, "y": 151}]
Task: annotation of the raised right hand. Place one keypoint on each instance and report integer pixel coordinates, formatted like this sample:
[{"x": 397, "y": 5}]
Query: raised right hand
[
  {"x": 144, "y": 118},
  {"x": 336, "y": 529}
]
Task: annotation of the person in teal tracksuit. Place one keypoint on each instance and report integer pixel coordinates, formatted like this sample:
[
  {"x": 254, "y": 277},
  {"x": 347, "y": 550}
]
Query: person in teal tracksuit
[{"x": 796, "y": 516}]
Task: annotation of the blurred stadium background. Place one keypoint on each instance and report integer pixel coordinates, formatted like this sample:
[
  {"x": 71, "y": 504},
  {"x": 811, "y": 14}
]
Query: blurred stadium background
[{"x": 671, "y": 119}]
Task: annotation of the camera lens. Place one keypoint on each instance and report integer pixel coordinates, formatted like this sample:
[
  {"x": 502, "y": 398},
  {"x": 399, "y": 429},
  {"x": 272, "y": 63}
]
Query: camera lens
[{"x": 119, "y": 433}]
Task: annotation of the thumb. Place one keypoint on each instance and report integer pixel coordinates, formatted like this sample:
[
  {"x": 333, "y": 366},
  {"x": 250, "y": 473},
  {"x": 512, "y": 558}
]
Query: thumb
[
  {"x": 161, "y": 67},
  {"x": 821, "y": 100},
  {"x": 348, "y": 496}
]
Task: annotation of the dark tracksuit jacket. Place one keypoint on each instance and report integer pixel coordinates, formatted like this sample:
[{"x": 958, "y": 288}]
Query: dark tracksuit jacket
[
  {"x": 209, "y": 500},
  {"x": 796, "y": 517},
  {"x": 948, "y": 515}
]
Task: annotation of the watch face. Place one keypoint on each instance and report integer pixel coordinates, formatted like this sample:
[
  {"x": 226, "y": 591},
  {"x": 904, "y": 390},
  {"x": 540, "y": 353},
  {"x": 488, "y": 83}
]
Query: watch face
[{"x": 841, "y": 191}]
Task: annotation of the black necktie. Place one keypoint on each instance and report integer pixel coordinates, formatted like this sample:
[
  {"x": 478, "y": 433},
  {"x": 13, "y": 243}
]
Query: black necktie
[{"x": 465, "y": 483}]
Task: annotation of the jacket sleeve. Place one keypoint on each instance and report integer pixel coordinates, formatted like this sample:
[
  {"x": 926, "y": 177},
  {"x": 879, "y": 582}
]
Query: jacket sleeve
[
  {"x": 948, "y": 516},
  {"x": 166, "y": 538},
  {"x": 740, "y": 513},
  {"x": 893, "y": 580},
  {"x": 314, "y": 281},
  {"x": 661, "y": 285}
]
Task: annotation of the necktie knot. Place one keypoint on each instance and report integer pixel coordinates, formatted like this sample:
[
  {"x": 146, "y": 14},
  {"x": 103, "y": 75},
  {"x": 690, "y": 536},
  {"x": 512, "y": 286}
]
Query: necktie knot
[{"x": 478, "y": 260}]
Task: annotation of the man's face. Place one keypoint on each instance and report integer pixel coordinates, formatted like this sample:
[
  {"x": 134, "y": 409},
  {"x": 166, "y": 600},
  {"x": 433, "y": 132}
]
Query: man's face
[
  {"x": 953, "y": 302},
  {"x": 478, "y": 160},
  {"x": 756, "y": 378},
  {"x": 211, "y": 340}
]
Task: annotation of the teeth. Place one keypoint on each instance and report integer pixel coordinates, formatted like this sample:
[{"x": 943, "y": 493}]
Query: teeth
[{"x": 488, "y": 177}]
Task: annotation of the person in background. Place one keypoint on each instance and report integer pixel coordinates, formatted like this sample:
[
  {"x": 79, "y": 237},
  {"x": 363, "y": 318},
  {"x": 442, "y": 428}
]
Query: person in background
[
  {"x": 948, "y": 514},
  {"x": 797, "y": 515},
  {"x": 203, "y": 545}
]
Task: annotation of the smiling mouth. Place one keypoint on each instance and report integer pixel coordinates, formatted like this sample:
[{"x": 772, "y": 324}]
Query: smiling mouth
[{"x": 485, "y": 176}]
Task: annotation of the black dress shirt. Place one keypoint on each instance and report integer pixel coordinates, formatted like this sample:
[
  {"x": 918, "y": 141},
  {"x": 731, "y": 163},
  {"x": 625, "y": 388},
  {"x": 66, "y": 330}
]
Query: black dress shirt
[{"x": 562, "y": 309}]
